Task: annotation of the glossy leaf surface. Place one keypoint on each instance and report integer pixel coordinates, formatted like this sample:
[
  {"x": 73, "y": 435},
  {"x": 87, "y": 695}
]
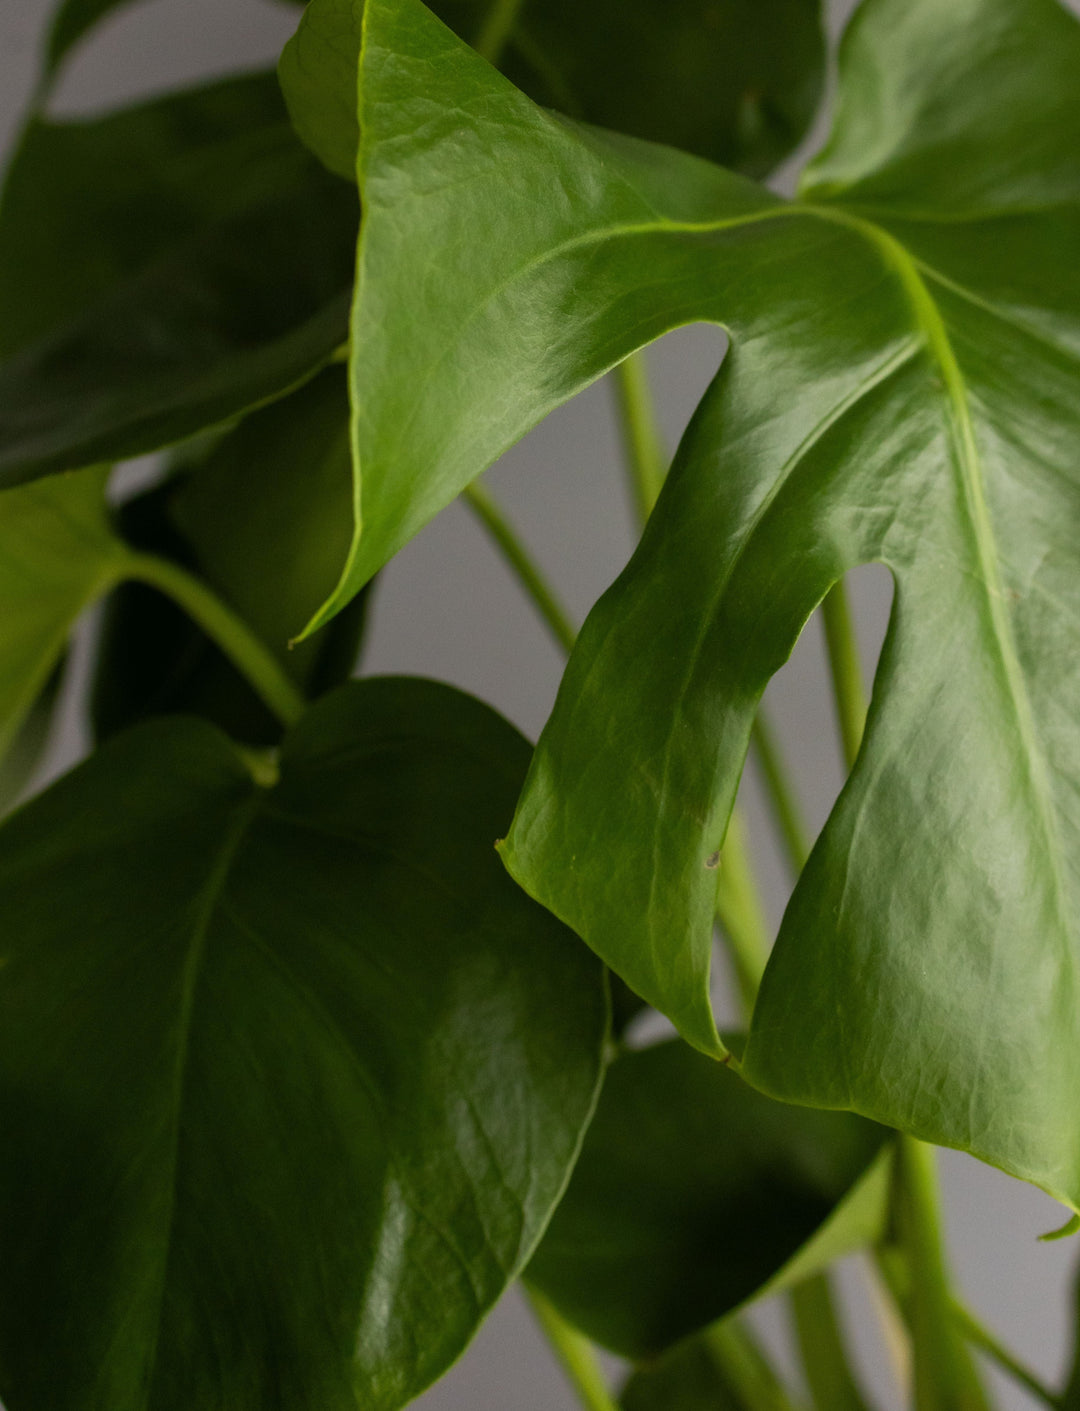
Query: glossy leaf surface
[
  {"x": 121, "y": 335},
  {"x": 263, "y": 517},
  {"x": 693, "y": 1195},
  {"x": 902, "y": 386},
  {"x": 290, "y": 1077},
  {"x": 749, "y": 71},
  {"x": 57, "y": 555}
]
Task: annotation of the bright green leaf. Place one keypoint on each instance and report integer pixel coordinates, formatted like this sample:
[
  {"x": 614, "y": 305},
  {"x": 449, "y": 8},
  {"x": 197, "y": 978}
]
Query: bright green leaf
[
  {"x": 290, "y": 1077},
  {"x": 57, "y": 555},
  {"x": 903, "y": 387},
  {"x": 694, "y": 1194},
  {"x": 264, "y": 518},
  {"x": 121, "y": 335},
  {"x": 749, "y": 71}
]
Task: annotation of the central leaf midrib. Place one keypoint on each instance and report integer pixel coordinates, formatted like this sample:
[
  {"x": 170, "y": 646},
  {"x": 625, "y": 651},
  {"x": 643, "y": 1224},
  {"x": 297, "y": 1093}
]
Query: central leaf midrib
[
  {"x": 932, "y": 325},
  {"x": 192, "y": 969}
]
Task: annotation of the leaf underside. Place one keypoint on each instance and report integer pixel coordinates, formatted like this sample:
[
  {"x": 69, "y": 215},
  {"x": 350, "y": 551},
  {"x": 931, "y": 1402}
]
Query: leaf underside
[
  {"x": 290, "y": 1078},
  {"x": 902, "y": 387}
]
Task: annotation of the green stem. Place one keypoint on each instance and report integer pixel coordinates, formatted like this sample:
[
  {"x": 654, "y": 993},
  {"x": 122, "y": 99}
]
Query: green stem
[
  {"x": 828, "y": 1372},
  {"x": 979, "y": 1335},
  {"x": 738, "y": 906},
  {"x": 945, "y": 1378},
  {"x": 646, "y": 457},
  {"x": 846, "y": 670},
  {"x": 743, "y": 1368},
  {"x": 521, "y": 561},
  {"x": 496, "y": 29},
  {"x": 783, "y": 800},
  {"x": 576, "y": 1354},
  {"x": 246, "y": 652}
]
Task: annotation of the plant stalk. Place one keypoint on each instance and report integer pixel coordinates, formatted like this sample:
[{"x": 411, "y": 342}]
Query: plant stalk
[
  {"x": 575, "y": 1353},
  {"x": 522, "y": 562},
  {"x": 496, "y": 29},
  {"x": 786, "y": 809},
  {"x": 739, "y": 908},
  {"x": 646, "y": 458},
  {"x": 828, "y": 1372},
  {"x": 743, "y": 1367},
  {"x": 843, "y": 649},
  {"x": 945, "y": 1378},
  {"x": 244, "y": 649}
]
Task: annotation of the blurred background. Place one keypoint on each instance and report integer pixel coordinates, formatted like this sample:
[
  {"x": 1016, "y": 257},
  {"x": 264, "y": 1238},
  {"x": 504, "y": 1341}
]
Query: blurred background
[{"x": 447, "y": 608}]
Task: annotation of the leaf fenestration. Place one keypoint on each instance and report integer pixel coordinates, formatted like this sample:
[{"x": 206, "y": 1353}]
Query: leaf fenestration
[{"x": 902, "y": 387}]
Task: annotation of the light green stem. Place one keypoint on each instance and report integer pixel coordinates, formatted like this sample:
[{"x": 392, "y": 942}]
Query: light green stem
[
  {"x": 945, "y": 1378},
  {"x": 828, "y": 1371},
  {"x": 523, "y": 564},
  {"x": 738, "y": 906},
  {"x": 979, "y": 1335},
  {"x": 783, "y": 800},
  {"x": 646, "y": 457},
  {"x": 743, "y": 1368},
  {"x": 846, "y": 670},
  {"x": 496, "y": 29},
  {"x": 576, "y": 1354},
  {"x": 239, "y": 643}
]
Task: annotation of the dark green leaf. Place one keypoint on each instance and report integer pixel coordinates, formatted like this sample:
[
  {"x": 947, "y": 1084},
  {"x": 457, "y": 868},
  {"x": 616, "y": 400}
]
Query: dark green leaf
[
  {"x": 290, "y": 1077},
  {"x": 57, "y": 555},
  {"x": 749, "y": 71},
  {"x": 902, "y": 386},
  {"x": 124, "y": 332},
  {"x": 694, "y": 1194},
  {"x": 265, "y": 518}
]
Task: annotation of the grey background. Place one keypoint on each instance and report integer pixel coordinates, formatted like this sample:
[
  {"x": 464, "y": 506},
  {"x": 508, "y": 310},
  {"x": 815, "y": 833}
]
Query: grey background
[{"x": 447, "y": 608}]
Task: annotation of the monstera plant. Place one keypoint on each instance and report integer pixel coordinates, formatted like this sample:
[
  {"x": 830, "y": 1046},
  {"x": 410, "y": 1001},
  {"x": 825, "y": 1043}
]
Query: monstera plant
[{"x": 324, "y": 1001}]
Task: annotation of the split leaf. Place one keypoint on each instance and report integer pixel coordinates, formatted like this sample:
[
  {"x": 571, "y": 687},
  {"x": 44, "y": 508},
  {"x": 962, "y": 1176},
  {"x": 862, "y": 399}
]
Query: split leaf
[
  {"x": 290, "y": 1076},
  {"x": 903, "y": 386}
]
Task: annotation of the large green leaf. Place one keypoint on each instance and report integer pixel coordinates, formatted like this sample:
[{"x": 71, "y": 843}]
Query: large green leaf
[
  {"x": 749, "y": 71},
  {"x": 902, "y": 386},
  {"x": 57, "y": 555},
  {"x": 290, "y": 1076},
  {"x": 695, "y": 1194},
  {"x": 122, "y": 332},
  {"x": 264, "y": 518}
]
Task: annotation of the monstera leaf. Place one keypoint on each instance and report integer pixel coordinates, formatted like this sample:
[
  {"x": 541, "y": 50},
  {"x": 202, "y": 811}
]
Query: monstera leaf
[
  {"x": 750, "y": 70},
  {"x": 291, "y": 1073},
  {"x": 121, "y": 334},
  {"x": 903, "y": 386},
  {"x": 694, "y": 1194}
]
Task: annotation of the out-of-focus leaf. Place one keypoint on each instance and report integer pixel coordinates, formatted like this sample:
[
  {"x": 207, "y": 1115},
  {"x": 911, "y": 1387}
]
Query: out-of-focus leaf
[
  {"x": 903, "y": 386},
  {"x": 290, "y": 1076},
  {"x": 58, "y": 554},
  {"x": 264, "y": 518},
  {"x": 163, "y": 269},
  {"x": 695, "y": 1194},
  {"x": 748, "y": 72}
]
